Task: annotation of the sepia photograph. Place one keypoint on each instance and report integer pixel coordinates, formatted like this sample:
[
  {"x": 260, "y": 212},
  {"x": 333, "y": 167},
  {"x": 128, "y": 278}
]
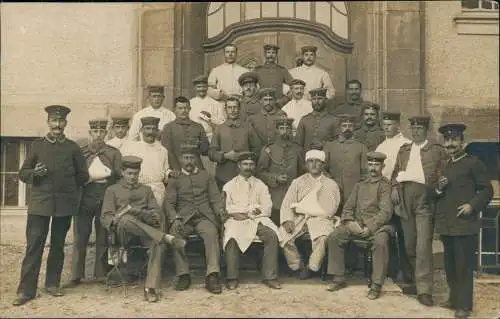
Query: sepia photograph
[{"x": 293, "y": 159}]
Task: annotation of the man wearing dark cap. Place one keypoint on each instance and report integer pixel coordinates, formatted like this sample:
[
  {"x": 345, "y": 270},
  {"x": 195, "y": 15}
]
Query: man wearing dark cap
[
  {"x": 130, "y": 212},
  {"x": 280, "y": 162},
  {"x": 56, "y": 169},
  {"x": 273, "y": 75},
  {"x": 104, "y": 165},
  {"x": 462, "y": 191},
  {"x": 354, "y": 102},
  {"x": 230, "y": 139},
  {"x": 418, "y": 167},
  {"x": 120, "y": 129},
  {"x": 193, "y": 203},
  {"x": 248, "y": 205},
  {"x": 250, "y": 102},
  {"x": 313, "y": 76},
  {"x": 298, "y": 105},
  {"x": 223, "y": 79},
  {"x": 346, "y": 157},
  {"x": 394, "y": 139},
  {"x": 155, "y": 109},
  {"x": 263, "y": 122},
  {"x": 365, "y": 215},
  {"x": 370, "y": 132},
  {"x": 183, "y": 131},
  {"x": 317, "y": 127}
]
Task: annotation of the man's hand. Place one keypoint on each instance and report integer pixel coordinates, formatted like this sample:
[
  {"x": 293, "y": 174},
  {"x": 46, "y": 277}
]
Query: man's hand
[
  {"x": 40, "y": 169},
  {"x": 282, "y": 179},
  {"x": 240, "y": 216},
  {"x": 395, "y": 196},
  {"x": 353, "y": 228},
  {"x": 151, "y": 219},
  {"x": 365, "y": 232},
  {"x": 135, "y": 211},
  {"x": 256, "y": 212},
  {"x": 224, "y": 216},
  {"x": 289, "y": 226},
  {"x": 178, "y": 226},
  {"x": 442, "y": 183},
  {"x": 174, "y": 174},
  {"x": 464, "y": 210},
  {"x": 231, "y": 155}
]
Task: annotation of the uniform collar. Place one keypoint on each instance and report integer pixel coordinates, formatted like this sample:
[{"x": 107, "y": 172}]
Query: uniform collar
[
  {"x": 52, "y": 139},
  {"x": 320, "y": 113},
  {"x": 281, "y": 141},
  {"x": 183, "y": 121},
  {"x": 234, "y": 123},
  {"x": 370, "y": 129},
  {"x": 358, "y": 102},
  {"x": 461, "y": 155},
  {"x": 374, "y": 179},
  {"x": 123, "y": 183},
  {"x": 342, "y": 139},
  {"x": 246, "y": 180},
  {"x": 196, "y": 171},
  {"x": 264, "y": 112}
]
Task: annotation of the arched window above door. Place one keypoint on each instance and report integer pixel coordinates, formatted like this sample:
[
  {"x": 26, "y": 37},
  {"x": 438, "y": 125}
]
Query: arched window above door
[{"x": 326, "y": 19}]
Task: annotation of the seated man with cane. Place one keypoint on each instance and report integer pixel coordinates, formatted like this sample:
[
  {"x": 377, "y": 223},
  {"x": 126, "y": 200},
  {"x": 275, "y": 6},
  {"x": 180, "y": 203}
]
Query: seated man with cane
[{"x": 130, "y": 209}]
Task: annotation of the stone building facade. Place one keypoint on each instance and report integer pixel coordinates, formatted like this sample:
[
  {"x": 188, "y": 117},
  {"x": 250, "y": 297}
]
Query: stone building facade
[{"x": 435, "y": 57}]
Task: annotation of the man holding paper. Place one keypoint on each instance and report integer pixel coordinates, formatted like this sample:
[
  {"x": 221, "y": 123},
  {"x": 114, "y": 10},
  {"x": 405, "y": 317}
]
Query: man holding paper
[
  {"x": 309, "y": 205},
  {"x": 248, "y": 204},
  {"x": 366, "y": 215}
]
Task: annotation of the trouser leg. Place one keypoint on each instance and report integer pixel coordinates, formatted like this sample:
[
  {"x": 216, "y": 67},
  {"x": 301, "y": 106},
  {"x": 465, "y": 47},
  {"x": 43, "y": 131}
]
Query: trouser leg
[
  {"x": 101, "y": 246},
  {"x": 410, "y": 236},
  {"x": 232, "y": 255},
  {"x": 37, "y": 228},
  {"x": 180, "y": 258},
  {"x": 336, "y": 242},
  {"x": 270, "y": 258},
  {"x": 82, "y": 228},
  {"x": 449, "y": 267},
  {"x": 155, "y": 262},
  {"x": 380, "y": 253},
  {"x": 292, "y": 255},
  {"x": 210, "y": 235},
  {"x": 55, "y": 260},
  {"x": 318, "y": 253},
  {"x": 275, "y": 216},
  {"x": 464, "y": 248}
]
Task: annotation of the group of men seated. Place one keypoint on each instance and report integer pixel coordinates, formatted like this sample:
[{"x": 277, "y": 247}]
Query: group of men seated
[{"x": 258, "y": 156}]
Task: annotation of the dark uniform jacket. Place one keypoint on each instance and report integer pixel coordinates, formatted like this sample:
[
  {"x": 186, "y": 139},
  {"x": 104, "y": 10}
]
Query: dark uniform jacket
[
  {"x": 433, "y": 157},
  {"x": 272, "y": 75},
  {"x": 370, "y": 205},
  {"x": 231, "y": 135},
  {"x": 183, "y": 131},
  {"x": 56, "y": 193},
  {"x": 316, "y": 128},
  {"x": 346, "y": 163},
  {"x": 370, "y": 136},
  {"x": 189, "y": 195},
  {"x": 468, "y": 182},
  {"x": 280, "y": 157},
  {"x": 250, "y": 106},
  {"x": 351, "y": 108},
  {"x": 111, "y": 158},
  {"x": 264, "y": 126}
]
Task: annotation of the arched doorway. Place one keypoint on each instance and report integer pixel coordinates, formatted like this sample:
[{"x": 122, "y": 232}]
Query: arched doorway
[{"x": 290, "y": 25}]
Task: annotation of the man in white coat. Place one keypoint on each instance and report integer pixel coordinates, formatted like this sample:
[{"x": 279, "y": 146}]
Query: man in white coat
[
  {"x": 313, "y": 76},
  {"x": 298, "y": 105},
  {"x": 155, "y": 109},
  {"x": 155, "y": 169},
  {"x": 309, "y": 205},
  {"x": 248, "y": 204},
  {"x": 120, "y": 129}
]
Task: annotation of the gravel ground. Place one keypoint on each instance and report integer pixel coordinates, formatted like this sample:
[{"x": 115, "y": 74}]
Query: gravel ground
[{"x": 252, "y": 299}]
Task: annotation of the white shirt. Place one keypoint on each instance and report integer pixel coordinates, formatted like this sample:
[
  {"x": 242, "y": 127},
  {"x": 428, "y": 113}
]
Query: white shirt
[
  {"x": 243, "y": 196},
  {"x": 225, "y": 78},
  {"x": 296, "y": 109},
  {"x": 207, "y": 104},
  {"x": 315, "y": 78},
  {"x": 414, "y": 170},
  {"x": 117, "y": 142},
  {"x": 164, "y": 114},
  {"x": 154, "y": 168},
  {"x": 390, "y": 147}
]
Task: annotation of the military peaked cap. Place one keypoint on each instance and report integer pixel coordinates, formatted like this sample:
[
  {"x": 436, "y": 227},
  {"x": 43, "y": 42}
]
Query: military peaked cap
[
  {"x": 99, "y": 123},
  {"x": 156, "y": 89},
  {"x": 283, "y": 121},
  {"x": 200, "y": 79},
  {"x": 59, "y": 111},
  {"x": 248, "y": 77},
  {"x": 419, "y": 120},
  {"x": 298, "y": 82},
  {"x": 267, "y": 92},
  {"x": 318, "y": 92},
  {"x": 452, "y": 129},
  {"x": 247, "y": 156},
  {"x": 271, "y": 46},
  {"x": 309, "y": 48},
  {"x": 394, "y": 116},
  {"x": 131, "y": 162},
  {"x": 376, "y": 156},
  {"x": 149, "y": 120}
]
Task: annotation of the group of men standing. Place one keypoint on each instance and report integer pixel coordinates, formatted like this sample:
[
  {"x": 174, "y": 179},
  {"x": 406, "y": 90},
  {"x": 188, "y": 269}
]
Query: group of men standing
[{"x": 262, "y": 156}]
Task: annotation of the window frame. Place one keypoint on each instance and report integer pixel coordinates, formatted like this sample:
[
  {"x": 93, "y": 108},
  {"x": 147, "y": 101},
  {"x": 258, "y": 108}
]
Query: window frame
[{"x": 478, "y": 21}]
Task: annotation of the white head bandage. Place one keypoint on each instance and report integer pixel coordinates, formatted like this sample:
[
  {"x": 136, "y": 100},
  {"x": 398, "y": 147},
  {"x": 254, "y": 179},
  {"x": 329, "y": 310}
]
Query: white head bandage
[{"x": 315, "y": 154}]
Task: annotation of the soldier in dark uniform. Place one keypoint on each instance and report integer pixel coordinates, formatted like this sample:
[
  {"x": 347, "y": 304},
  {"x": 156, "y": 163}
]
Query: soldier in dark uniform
[
  {"x": 263, "y": 122},
  {"x": 230, "y": 139},
  {"x": 462, "y": 191},
  {"x": 250, "y": 102},
  {"x": 56, "y": 169},
  {"x": 354, "y": 102},
  {"x": 183, "y": 131},
  {"x": 317, "y": 127},
  {"x": 104, "y": 163},
  {"x": 370, "y": 133},
  {"x": 130, "y": 210},
  {"x": 279, "y": 164},
  {"x": 365, "y": 215},
  {"x": 273, "y": 75}
]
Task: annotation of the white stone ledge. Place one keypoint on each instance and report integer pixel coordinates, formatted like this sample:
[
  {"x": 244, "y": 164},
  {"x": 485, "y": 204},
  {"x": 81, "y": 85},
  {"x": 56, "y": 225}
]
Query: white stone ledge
[{"x": 477, "y": 22}]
